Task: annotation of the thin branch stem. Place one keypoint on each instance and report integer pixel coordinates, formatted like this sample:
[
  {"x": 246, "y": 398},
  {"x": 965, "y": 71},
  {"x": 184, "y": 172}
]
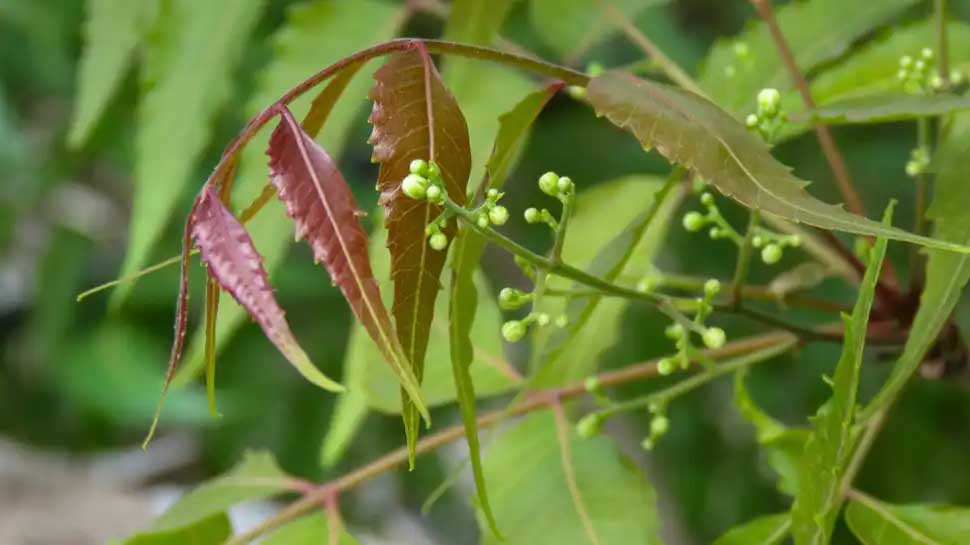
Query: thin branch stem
[
  {"x": 537, "y": 401},
  {"x": 743, "y": 263}
]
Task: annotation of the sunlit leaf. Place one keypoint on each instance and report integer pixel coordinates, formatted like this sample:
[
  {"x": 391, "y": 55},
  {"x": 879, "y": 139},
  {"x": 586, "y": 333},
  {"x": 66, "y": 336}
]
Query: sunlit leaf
[
  {"x": 191, "y": 56},
  {"x": 308, "y": 530},
  {"x": 415, "y": 117},
  {"x": 887, "y": 107},
  {"x": 817, "y": 31},
  {"x": 320, "y": 202},
  {"x": 766, "y": 530},
  {"x": 830, "y": 445},
  {"x": 233, "y": 261},
  {"x": 112, "y": 32},
  {"x": 211, "y": 530},
  {"x": 314, "y": 34},
  {"x": 692, "y": 132},
  {"x": 879, "y": 523},
  {"x": 524, "y": 465}
]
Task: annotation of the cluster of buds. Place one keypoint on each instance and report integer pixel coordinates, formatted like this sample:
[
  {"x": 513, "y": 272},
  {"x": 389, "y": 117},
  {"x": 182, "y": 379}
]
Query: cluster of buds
[
  {"x": 424, "y": 182},
  {"x": 492, "y": 213},
  {"x": 919, "y": 161},
  {"x": 773, "y": 244},
  {"x": 659, "y": 425},
  {"x": 712, "y": 337},
  {"x": 742, "y": 56},
  {"x": 770, "y": 117},
  {"x": 560, "y": 187},
  {"x": 515, "y": 330},
  {"x": 695, "y": 221}
]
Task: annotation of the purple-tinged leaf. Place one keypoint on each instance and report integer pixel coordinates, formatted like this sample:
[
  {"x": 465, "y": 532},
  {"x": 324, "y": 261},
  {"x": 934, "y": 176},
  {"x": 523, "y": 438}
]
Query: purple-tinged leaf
[
  {"x": 319, "y": 200},
  {"x": 415, "y": 117},
  {"x": 233, "y": 261}
]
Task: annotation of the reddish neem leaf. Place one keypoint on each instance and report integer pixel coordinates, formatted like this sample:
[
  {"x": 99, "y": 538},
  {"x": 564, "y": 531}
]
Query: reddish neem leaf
[
  {"x": 320, "y": 202},
  {"x": 228, "y": 251},
  {"x": 415, "y": 117}
]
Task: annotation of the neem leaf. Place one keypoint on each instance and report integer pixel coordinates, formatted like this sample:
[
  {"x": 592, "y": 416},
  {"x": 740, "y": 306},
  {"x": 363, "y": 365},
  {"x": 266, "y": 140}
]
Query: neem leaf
[
  {"x": 309, "y": 530},
  {"x": 320, "y": 202},
  {"x": 879, "y": 523},
  {"x": 886, "y": 107},
  {"x": 764, "y": 530},
  {"x": 691, "y": 131},
  {"x": 415, "y": 117},
  {"x": 211, "y": 530},
  {"x": 228, "y": 251},
  {"x": 829, "y": 447},
  {"x": 513, "y": 127}
]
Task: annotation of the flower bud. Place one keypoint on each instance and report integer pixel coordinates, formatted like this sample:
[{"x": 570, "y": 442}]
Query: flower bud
[
  {"x": 707, "y": 199},
  {"x": 648, "y": 443},
  {"x": 905, "y": 61},
  {"x": 659, "y": 425},
  {"x": 549, "y": 183},
  {"x": 926, "y": 53},
  {"x": 694, "y": 221},
  {"x": 751, "y": 121},
  {"x": 542, "y": 319},
  {"x": 492, "y": 194},
  {"x": 665, "y": 366},
  {"x": 712, "y": 287},
  {"x": 482, "y": 220},
  {"x": 674, "y": 331},
  {"x": 415, "y": 186},
  {"x": 771, "y": 254},
  {"x": 438, "y": 241},
  {"x": 510, "y": 299},
  {"x": 592, "y": 384},
  {"x": 768, "y": 101},
  {"x": 648, "y": 284},
  {"x": 714, "y": 337},
  {"x": 513, "y": 330},
  {"x": 562, "y": 321},
  {"x": 532, "y": 215},
  {"x": 757, "y": 241},
  {"x": 589, "y": 425},
  {"x": 565, "y": 185},
  {"x": 498, "y": 215},
  {"x": 419, "y": 167},
  {"x": 433, "y": 170}
]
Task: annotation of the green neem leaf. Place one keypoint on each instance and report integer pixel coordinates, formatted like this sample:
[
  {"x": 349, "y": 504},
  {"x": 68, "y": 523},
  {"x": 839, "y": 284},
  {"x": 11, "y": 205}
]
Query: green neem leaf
[
  {"x": 187, "y": 77},
  {"x": 765, "y": 530},
  {"x": 829, "y": 447},
  {"x": 818, "y": 31},
  {"x": 878, "y": 523},
  {"x": 574, "y": 25},
  {"x": 885, "y": 108},
  {"x": 256, "y": 477},
  {"x": 314, "y": 33},
  {"x": 785, "y": 446},
  {"x": 946, "y": 273},
  {"x": 415, "y": 117},
  {"x": 210, "y": 530},
  {"x": 112, "y": 32},
  {"x": 695, "y": 133},
  {"x": 513, "y": 129},
  {"x": 525, "y": 464},
  {"x": 308, "y": 530}
]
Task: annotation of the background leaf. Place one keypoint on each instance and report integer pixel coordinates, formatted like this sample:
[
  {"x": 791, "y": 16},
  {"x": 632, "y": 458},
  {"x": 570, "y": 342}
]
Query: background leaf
[
  {"x": 211, "y": 530},
  {"x": 191, "y": 55},
  {"x": 569, "y": 26},
  {"x": 887, "y": 107},
  {"x": 877, "y": 523},
  {"x": 524, "y": 464},
  {"x": 309, "y": 530},
  {"x": 765, "y": 530}
]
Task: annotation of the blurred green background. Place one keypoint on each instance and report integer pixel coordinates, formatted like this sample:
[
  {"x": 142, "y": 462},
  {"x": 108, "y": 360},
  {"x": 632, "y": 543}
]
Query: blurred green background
[{"x": 79, "y": 381}]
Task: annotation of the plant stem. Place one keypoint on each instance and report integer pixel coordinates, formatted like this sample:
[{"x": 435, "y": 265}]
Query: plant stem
[
  {"x": 942, "y": 42},
  {"x": 670, "y": 68},
  {"x": 743, "y": 263},
  {"x": 539, "y": 400}
]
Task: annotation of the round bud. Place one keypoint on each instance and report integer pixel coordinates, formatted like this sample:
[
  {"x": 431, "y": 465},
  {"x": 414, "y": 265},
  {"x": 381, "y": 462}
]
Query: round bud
[
  {"x": 508, "y": 299},
  {"x": 589, "y": 425},
  {"x": 513, "y": 330},
  {"x": 936, "y": 82},
  {"x": 415, "y": 186},
  {"x": 714, "y": 233},
  {"x": 532, "y": 215},
  {"x": 542, "y": 319},
  {"x": 751, "y": 121},
  {"x": 912, "y": 169},
  {"x": 694, "y": 221},
  {"x": 562, "y": 321},
  {"x": 419, "y": 167},
  {"x": 659, "y": 425},
  {"x": 794, "y": 241},
  {"x": 576, "y": 91},
  {"x": 757, "y": 241},
  {"x": 434, "y": 193},
  {"x": 714, "y": 337},
  {"x": 712, "y": 287},
  {"x": 902, "y": 74},
  {"x": 433, "y": 170},
  {"x": 482, "y": 220},
  {"x": 768, "y": 101},
  {"x": 438, "y": 241},
  {"x": 647, "y": 444},
  {"x": 707, "y": 199},
  {"x": 498, "y": 215},
  {"x": 956, "y": 77},
  {"x": 665, "y": 366},
  {"x": 919, "y": 65},
  {"x": 648, "y": 284},
  {"x": 771, "y": 254},
  {"x": 674, "y": 331},
  {"x": 549, "y": 183},
  {"x": 741, "y": 49},
  {"x": 492, "y": 193},
  {"x": 926, "y": 53},
  {"x": 565, "y": 185},
  {"x": 905, "y": 61}
]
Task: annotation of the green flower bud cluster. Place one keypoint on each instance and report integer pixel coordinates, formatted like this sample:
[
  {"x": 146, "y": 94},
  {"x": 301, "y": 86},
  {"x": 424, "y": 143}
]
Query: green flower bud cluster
[
  {"x": 695, "y": 221},
  {"x": 919, "y": 161},
  {"x": 424, "y": 182},
  {"x": 917, "y": 73},
  {"x": 490, "y": 212},
  {"x": 515, "y": 330},
  {"x": 712, "y": 337},
  {"x": 589, "y": 425},
  {"x": 659, "y": 426},
  {"x": 742, "y": 56},
  {"x": 560, "y": 187},
  {"x": 770, "y": 117},
  {"x": 772, "y": 244}
]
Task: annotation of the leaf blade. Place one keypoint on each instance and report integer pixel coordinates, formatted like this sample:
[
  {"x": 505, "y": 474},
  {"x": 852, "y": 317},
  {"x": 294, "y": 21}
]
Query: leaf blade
[
  {"x": 883, "y": 108},
  {"x": 764, "y": 530},
  {"x": 875, "y": 522}
]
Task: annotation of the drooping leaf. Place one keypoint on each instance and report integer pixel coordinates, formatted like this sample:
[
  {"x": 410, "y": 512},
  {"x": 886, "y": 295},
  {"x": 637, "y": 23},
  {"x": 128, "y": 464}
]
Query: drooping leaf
[
  {"x": 256, "y": 477},
  {"x": 187, "y": 76},
  {"x": 785, "y": 446},
  {"x": 308, "y": 530},
  {"x": 692, "y": 132},
  {"x": 946, "y": 274},
  {"x": 817, "y": 31},
  {"x": 320, "y": 202},
  {"x": 830, "y": 445},
  {"x": 621, "y": 504},
  {"x": 228, "y": 251},
  {"x": 765, "y": 530},
  {"x": 314, "y": 33},
  {"x": 112, "y": 32},
  {"x": 608, "y": 264},
  {"x": 571, "y": 25},
  {"x": 879, "y": 523},
  {"x": 886, "y": 107},
  {"x": 415, "y": 117},
  {"x": 211, "y": 530}
]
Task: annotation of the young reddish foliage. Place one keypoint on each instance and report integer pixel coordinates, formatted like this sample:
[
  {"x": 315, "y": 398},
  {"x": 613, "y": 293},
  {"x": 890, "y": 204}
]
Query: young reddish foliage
[
  {"x": 228, "y": 251},
  {"x": 415, "y": 117},
  {"x": 320, "y": 202}
]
